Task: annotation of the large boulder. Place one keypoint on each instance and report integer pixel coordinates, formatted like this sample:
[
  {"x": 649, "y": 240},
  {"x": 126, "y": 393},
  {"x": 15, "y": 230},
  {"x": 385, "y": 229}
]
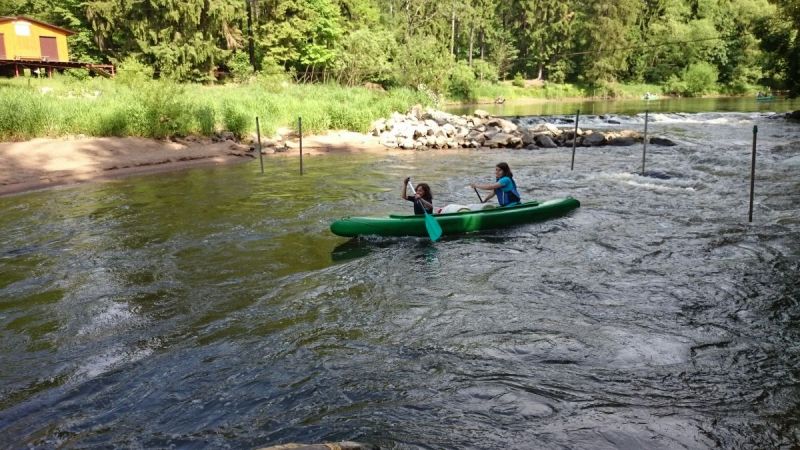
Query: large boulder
[{"x": 655, "y": 140}]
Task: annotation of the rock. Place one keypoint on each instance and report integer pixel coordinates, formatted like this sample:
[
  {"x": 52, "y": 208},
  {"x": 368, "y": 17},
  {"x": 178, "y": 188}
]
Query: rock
[
  {"x": 481, "y": 114},
  {"x": 662, "y": 141},
  {"x": 545, "y": 141},
  {"x": 794, "y": 115},
  {"x": 594, "y": 139},
  {"x": 622, "y": 141}
]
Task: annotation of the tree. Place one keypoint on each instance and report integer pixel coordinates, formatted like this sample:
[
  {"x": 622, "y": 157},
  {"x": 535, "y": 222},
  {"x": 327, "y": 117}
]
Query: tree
[{"x": 607, "y": 37}]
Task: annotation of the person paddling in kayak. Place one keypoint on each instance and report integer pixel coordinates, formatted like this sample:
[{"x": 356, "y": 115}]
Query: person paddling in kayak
[
  {"x": 422, "y": 197},
  {"x": 505, "y": 188}
]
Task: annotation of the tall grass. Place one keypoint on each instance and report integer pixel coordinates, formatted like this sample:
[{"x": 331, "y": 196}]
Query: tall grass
[{"x": 158, "y": 109}]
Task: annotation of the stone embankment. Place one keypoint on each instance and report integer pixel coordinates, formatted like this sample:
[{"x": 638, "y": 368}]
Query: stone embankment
[{"x": 432, "y": 129}]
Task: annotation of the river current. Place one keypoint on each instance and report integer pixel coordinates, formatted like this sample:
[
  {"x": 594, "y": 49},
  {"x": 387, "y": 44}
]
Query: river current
[{"x": 213, "y": 308}]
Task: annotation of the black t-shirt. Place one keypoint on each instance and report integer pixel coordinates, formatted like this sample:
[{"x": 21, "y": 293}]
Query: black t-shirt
[{"x": 417, "y": 207}]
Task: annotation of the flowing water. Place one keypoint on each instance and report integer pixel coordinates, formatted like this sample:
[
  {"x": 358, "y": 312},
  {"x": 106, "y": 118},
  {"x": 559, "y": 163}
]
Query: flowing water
[{"x": 212, "y": 308}]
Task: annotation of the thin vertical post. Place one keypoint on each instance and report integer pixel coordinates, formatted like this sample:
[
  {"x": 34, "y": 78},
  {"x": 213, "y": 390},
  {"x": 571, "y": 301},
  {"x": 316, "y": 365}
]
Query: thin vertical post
[
  {"x": 300, "y": 130},
  {"x": 752, "y": 174},
  {"x": 644, "y": 147},
  {"x": 575, "y": 138},
  {"x": 260, "y": 155}
]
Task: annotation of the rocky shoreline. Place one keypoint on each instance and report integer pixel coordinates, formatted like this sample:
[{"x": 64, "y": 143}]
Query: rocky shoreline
[{"x": 426, "y": 128}]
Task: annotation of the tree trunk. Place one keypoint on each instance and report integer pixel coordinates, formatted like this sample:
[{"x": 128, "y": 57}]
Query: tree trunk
[
  {"x": 251, "y": 47},
  {"x": 471, "y": 42},
  {"x": 453, "y": 31}
]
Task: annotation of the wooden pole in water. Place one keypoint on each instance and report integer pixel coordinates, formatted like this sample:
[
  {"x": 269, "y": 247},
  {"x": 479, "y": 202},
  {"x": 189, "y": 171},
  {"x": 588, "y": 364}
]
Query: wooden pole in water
[
  {"x": 644, "y": 148},
  {"x": 260, "y": 155},
  {"x": 300, "y": 130},
  {"x": 752, "y": 174},
  {"x": 575, "y": 138}
]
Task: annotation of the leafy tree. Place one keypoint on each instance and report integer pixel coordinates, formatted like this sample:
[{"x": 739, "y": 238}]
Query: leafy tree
[
  {"x": 183, "y": 40},
  {"x": 607, "y": 33},
  {"x": 365, "y": 55},
  {"x": 300, "y": 34}
]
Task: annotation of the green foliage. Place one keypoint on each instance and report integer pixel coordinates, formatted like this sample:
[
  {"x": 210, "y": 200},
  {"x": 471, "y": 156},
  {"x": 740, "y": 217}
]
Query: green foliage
[
  {"x": 235, "y": 120},
  {"x": 365, "y": 56},
  {"x": 700, "y": 78},
  {"x": 132, "y": 72},
  {"x": 166, "y": 111},
  {"x": 206, "y": 119},
  {"x": 485, "y": 71},
  {"x": 77, "y": 74},
  {"x": 240, "y": 67},
  {"x": 424, "y": 61},
  {"x": 461, "y": 82},
  {"x": 519, "y": 80},
  {"x": 23, "y": 114}
]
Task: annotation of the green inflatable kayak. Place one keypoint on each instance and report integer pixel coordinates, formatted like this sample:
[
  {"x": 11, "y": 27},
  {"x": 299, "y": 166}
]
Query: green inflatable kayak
[{"x": 455, "y": 223}]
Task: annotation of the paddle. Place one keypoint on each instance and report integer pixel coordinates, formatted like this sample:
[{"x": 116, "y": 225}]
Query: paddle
[
  {"x": 433, "y": 227},
  {"x": 478, "y": 194}
]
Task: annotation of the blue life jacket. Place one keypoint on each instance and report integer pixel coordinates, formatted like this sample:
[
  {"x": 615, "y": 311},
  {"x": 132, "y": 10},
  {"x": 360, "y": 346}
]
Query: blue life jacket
[{"x": 510, "y": 197}]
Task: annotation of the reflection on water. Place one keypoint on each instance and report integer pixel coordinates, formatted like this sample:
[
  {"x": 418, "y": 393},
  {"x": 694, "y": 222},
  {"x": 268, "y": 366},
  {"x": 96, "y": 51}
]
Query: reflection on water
[
  {"x": 213, "y": 308},
  {"x": 635, "y": 106}
]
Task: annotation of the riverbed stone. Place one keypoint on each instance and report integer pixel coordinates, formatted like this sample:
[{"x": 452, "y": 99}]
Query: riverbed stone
[{"x": 662, "y": 141}]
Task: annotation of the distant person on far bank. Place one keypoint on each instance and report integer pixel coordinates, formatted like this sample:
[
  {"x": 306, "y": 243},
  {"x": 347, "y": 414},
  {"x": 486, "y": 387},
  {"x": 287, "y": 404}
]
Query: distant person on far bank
[{"x": 504, "y": 187}]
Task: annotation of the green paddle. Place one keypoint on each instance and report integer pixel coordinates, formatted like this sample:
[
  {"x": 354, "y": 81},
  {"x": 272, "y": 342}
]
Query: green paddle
[{"x": 433, "y": 227}]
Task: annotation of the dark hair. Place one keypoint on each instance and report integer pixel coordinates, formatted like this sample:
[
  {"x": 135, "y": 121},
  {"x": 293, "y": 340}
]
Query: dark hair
[
  {"x": 427, "y": 194},
  {"x": 506, "y": 170}
]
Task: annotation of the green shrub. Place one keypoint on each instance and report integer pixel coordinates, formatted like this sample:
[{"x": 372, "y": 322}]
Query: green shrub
[
  {"x": 206, "y": 121},
  {"x": 131, "y": 72},
  {"x": 518, "y": 80},
  {"x": 700, "y": 78},
  {"x": 675, "y": 85},
  {"x": 235, "y": 120},
  {"x": 461, "y": 82},
  {"x": 23, "y": 115},
  {"x": 77, "y": 74},
  {"x": 240, "y": 67},
  {"x": 165, "y": 110},
  {"x": 114, "y": 123},
  {"x": 485, "y": 71}
]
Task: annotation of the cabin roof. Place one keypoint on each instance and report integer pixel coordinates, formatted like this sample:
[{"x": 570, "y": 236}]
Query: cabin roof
[{"x": 4, "y": 19}]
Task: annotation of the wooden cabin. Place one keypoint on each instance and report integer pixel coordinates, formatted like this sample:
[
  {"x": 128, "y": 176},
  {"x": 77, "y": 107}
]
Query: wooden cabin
[
  {"x": 39, "y": 47},
  {"x": 23, "y": 38}
]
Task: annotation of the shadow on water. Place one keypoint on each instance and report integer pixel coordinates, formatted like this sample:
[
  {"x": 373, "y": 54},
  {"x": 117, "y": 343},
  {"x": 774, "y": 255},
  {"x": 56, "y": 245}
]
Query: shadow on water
[{"x": 360, "y": 247}]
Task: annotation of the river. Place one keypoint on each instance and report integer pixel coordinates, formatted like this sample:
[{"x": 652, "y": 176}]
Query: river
[{"x": 212, "y": 308}]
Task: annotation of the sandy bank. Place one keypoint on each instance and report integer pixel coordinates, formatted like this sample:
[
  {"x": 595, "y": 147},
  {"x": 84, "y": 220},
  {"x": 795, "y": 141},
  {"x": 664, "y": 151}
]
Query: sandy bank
[{"x": 43, "y": 163}]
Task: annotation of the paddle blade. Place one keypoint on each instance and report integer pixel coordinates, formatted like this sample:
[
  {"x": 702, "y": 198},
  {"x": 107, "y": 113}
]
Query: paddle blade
[{"x": 433, "y": 227}]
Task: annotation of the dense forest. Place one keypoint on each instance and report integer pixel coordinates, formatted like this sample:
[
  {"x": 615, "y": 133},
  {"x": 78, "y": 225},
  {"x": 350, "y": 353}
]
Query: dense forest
[{"x": 681, "y": 45}]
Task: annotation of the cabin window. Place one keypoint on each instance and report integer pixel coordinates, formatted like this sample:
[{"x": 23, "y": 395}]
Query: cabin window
[{"x": 22, "y": 28}]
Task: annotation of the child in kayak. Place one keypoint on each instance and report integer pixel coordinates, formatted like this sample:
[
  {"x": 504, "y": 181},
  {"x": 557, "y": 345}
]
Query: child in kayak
[
  {"x": 505, "y": 188},
  {"x": 422, "y": 197}
]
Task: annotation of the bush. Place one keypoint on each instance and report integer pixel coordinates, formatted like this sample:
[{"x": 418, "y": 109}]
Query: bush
[
  {"x": 204, "y": 114},
  {"x": 114, "y": 123},
  {"x": 675, "y": 86},
  {"x": 485, "y": 71},
  {"x": 131, "y": 72},
  {"x": 235, "y": 120},
  {"x": 518, "y": 80},
  {"x": 461, "y": 82},
  {"x": 77, "y": 74},
  {"x": 700, "y": 78},
  {"x": 166, "y": 112},
  {"x": 22, "y": 115},
  {"x": 240, "y": 67}
]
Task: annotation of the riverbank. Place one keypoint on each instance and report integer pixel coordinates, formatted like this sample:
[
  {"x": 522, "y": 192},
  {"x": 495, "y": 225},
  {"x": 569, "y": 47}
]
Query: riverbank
[{"x": 45, "y": 163}]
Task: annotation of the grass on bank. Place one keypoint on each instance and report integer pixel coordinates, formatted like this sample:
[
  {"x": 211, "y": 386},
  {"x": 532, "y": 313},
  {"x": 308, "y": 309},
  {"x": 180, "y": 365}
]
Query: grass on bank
[{"x": 62, "y": 106}]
